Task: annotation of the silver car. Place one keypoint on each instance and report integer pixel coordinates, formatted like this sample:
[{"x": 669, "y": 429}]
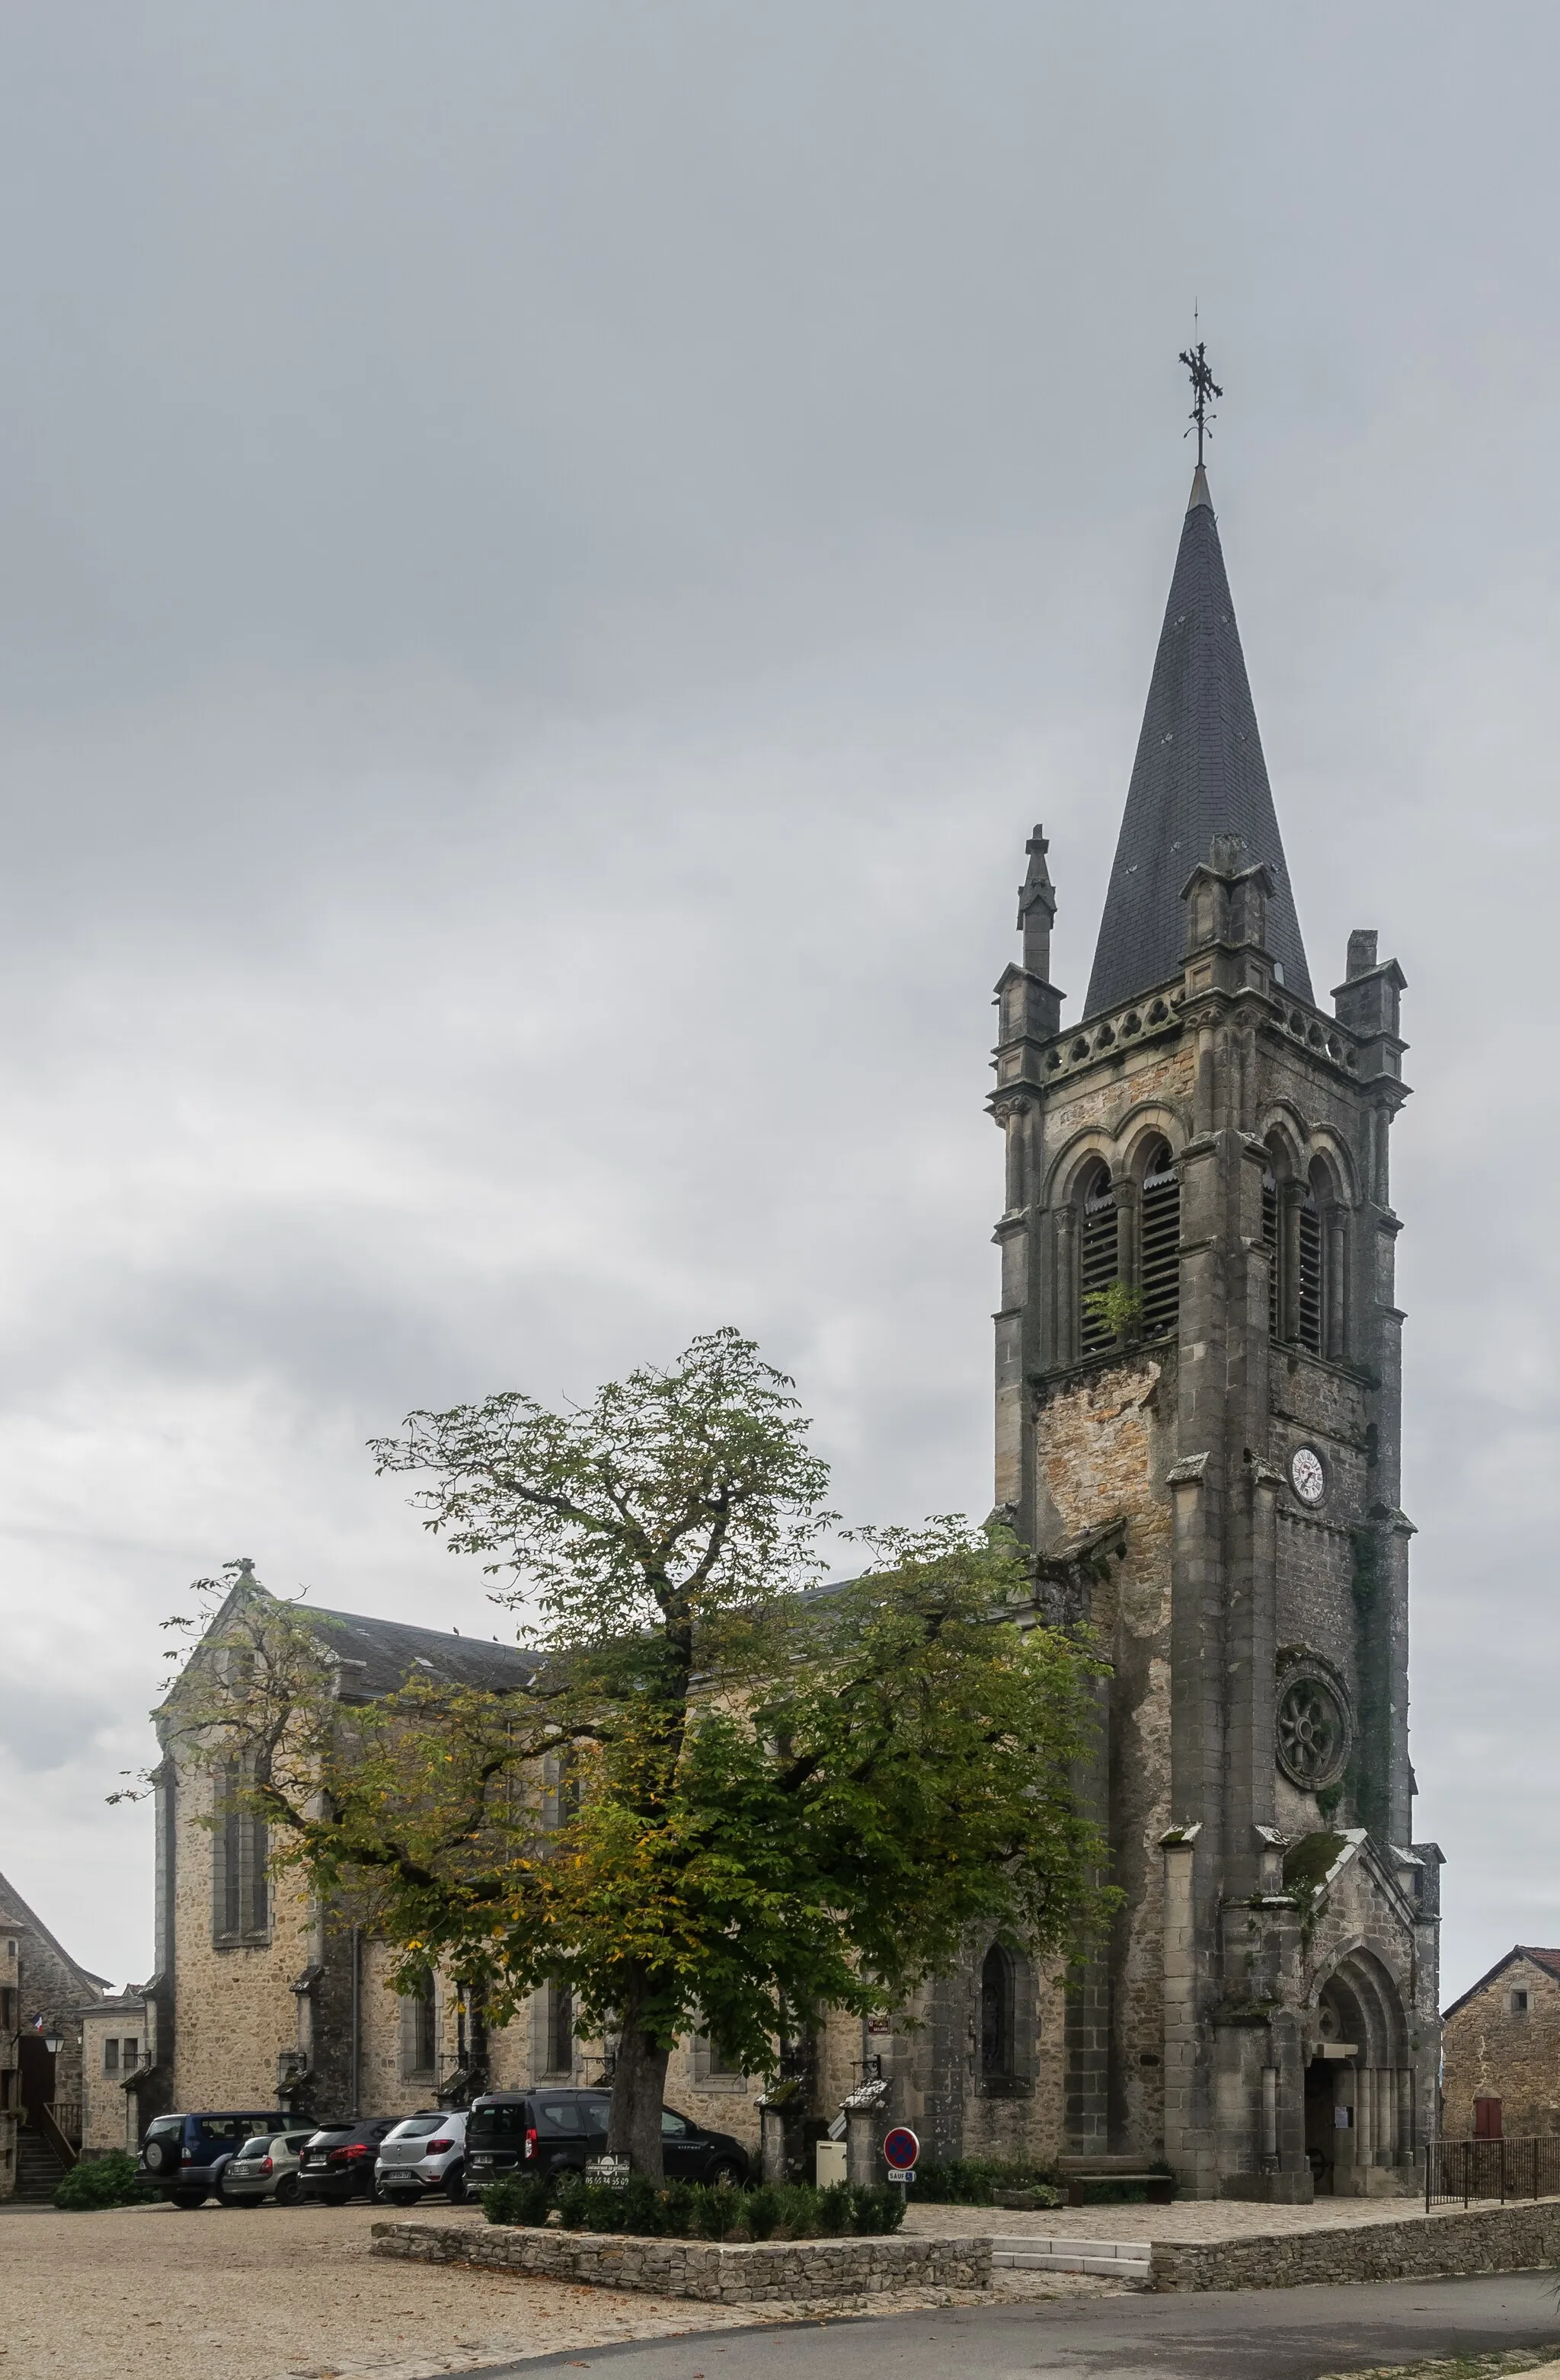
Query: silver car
[
  {"x": 265, "y": 2167},
  {"x": 424, "y": 2154}
]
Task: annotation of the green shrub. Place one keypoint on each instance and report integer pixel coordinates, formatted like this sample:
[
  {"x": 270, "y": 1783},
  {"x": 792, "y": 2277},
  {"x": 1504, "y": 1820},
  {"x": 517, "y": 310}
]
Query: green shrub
[
  {"x": 99, "y": 2181},
  {"x": 518, "y": 2198},
  {"x": 974, "y": 2181},
  {"x": 685, "y": 2210}
]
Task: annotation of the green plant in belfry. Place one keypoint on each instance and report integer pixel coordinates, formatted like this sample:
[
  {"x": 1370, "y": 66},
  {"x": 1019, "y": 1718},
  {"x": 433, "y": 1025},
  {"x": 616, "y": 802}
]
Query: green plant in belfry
[{"x": 1118, "y": 1306}]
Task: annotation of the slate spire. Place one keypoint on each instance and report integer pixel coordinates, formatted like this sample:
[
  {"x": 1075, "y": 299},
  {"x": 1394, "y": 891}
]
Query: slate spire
[{"x": 1198, "y": 772}]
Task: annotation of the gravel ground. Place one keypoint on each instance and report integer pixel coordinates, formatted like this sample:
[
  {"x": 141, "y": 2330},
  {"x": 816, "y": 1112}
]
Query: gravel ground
[{"x": 291, "y": 2293}]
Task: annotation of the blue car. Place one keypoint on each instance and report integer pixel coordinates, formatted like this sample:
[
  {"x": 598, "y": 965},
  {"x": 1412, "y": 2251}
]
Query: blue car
[{"x": 184, "y": 2156}]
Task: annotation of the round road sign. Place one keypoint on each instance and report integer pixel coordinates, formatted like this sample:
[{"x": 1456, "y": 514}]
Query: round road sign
[{"x": 901, "y": 2148}]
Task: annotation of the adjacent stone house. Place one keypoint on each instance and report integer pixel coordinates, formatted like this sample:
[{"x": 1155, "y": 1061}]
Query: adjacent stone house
[
  {"x": 1501, "y": 2051},
  {"x": 44, "y": 1994}
]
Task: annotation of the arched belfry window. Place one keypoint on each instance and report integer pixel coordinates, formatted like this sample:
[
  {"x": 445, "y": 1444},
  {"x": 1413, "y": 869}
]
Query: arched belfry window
[
  {"x": 1098, "y": 1258},
  {"x": 1159, "y": 1245},
  {"x": 1301, "y": 1231},
  {"x": 996, "y": 2015},
  {"x": 1308, "y": 1272},
  {"x": 1271, "y": 1242}
]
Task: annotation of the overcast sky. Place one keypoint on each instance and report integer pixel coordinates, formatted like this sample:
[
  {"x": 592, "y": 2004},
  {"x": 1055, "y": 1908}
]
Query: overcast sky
[{"x": 550, "y": 557}]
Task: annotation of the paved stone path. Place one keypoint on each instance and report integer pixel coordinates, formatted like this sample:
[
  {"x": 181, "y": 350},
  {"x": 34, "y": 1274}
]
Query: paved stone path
[{"x": 1189, "y": 2218}]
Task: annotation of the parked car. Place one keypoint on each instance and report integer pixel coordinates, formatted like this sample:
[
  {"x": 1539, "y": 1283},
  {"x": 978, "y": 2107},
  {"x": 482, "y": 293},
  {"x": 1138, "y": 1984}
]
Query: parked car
[
  {"x": 265, "y": 2167},
  {"x": 548, "y": 2131},
  {"x": 424, "y": 2152},
  {"x": 185, "y": 2156},
  {"x": 338, "y": 2160}
]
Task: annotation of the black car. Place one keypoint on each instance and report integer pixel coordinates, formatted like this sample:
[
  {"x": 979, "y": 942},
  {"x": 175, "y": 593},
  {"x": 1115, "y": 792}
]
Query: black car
[
  {"x": 184, "y": 2155},
  {"x": 548, "y": 2132},
  {"x": 338, "y": 2163}
]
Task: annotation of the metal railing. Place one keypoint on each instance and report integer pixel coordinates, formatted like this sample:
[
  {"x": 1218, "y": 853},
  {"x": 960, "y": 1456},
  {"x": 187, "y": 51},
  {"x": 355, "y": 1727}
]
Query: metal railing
[{"x": 1462, "y": 2173}]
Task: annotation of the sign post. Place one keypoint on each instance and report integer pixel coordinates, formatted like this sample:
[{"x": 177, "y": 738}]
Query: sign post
[{"x": 900, "y": 2150}]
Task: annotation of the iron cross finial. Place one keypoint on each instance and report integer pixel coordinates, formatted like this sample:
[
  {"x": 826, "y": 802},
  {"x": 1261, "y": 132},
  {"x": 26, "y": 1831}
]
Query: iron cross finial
[{"x": 1204, "y": 386}]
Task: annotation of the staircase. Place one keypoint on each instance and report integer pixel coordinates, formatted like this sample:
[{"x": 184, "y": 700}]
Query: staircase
[{"x": 39, "y": 2168}]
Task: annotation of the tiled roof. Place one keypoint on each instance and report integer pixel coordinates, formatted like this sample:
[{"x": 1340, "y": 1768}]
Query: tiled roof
[
  {"x": 14, "y": 1912},
  {"x": 1198, "y": 772}
]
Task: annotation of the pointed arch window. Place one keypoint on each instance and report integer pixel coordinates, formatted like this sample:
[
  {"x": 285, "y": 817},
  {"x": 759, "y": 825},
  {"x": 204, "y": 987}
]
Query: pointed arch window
[
  {"x": 996, "y": 2015},
  {"x": 1099, "y": 1262},
  {"x": 1159, "y": 1245}
]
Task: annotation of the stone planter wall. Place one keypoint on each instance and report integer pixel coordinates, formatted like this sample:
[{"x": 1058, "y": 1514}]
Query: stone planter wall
[
  {"x": 1452, "y": 2239},
  {"x": 767, "y": 2271}
]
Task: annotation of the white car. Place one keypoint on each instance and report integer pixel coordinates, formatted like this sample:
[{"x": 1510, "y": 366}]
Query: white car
[
  {"x": 265, "y": 2167},
  {"x": 424, "y": 2152}
]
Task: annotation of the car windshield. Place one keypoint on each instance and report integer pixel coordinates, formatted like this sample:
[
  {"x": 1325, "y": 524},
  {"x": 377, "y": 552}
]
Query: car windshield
[
  {"x": 258, "y": 2146},
  {"x": 296, "y": 2140},
  {"x": 416, "y": 2128}
]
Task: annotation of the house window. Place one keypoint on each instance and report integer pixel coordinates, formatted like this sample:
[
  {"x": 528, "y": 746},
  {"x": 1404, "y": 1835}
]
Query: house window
[
  {"x": 110, "y": 2056},
  {"x": 240, "y": 1847},
  {"x": 131, "y": 2056},
  {"x": 1159, "y": 1246},
  {"x": 723, "y": 2066},
  {"x": 1519, "y": 2002},
  {"x": 996, "y": 2015},
  {"x": 1098, "y": 1262},
  {"x": 560, "y": 2029},
  {"x": 1486, "y": 2119}
]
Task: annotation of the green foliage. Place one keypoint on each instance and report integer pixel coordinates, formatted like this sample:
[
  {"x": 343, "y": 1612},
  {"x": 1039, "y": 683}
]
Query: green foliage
[
  {"x": 720, "y": 1799},
  {"x": 517, "y": 2198},
  {"x": 974, "y": 2181},
  {"x": 685, "y": 2210},
  {"x": 97, "y": 2183},
  {"x": 1118, "y": 1306}
]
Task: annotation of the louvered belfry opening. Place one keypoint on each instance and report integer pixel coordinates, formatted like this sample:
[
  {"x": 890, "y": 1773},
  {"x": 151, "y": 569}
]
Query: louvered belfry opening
[
  {"x": 1308, "y": 1265},
  {"x": 1098, "y": 1261},
  {"x": 1269, "y": 1242},
  {"x": 1159, "y": 1247}
]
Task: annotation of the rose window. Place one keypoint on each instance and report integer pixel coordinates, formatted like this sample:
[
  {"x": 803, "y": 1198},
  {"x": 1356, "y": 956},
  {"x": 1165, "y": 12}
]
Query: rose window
[{"x": 1313, "y": 1733}]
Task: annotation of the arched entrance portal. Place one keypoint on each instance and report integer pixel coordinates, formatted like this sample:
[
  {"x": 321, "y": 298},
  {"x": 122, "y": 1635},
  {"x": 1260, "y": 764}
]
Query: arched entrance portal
[{"x": 1359, "y": 2086}]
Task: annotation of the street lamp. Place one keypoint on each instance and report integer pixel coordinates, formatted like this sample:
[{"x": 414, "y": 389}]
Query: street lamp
[{"x": 53, "y": 2042}]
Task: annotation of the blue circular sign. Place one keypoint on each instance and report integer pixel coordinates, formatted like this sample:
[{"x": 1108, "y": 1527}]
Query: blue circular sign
[{"x": 901, "y": 2148}]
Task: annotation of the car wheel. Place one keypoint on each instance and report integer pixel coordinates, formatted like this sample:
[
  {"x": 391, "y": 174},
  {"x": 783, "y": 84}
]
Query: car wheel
[
  {"x": 724, "y": 2171},
  {"x": 156, "y": 2156},
  {"x": 455, "y": 2185},
  {"x": 189, "y": 2199},
  {"x": 286, "y": 2191}
]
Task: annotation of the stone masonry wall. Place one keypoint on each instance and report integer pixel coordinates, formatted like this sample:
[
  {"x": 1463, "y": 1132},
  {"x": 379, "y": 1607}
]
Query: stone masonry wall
[
  {"x": 1453, "y": 2240},
  {"x": 766, "y": 2272},
  {"x": 1104, "y": 1443},
  {"x": 1493, "y": 2052},
  {"x": 234, "y": 2009}
]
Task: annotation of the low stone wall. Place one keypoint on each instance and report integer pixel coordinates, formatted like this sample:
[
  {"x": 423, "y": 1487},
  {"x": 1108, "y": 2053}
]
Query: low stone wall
[
  {"x": 730, "y": 2273},
  {"x": 1451, "y": 2239}
]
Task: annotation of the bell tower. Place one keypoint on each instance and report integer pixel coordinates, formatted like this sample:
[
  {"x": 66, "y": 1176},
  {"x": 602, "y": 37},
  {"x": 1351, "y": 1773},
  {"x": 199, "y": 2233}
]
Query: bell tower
[{"x": 1197, "y": 1428}]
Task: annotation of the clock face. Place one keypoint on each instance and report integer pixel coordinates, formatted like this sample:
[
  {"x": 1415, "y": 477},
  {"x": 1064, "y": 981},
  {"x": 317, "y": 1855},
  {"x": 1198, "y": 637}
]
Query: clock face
[{"x": 1305, "y": 1474}]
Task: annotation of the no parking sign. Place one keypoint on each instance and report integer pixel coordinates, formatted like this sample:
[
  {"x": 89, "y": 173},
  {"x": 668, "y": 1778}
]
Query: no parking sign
[{"x": 900, "y": 2150}]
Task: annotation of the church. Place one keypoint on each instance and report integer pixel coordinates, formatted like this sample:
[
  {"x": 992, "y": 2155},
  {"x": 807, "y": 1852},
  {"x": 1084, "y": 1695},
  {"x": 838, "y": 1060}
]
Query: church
[{"x": 1197, "y": 1427}]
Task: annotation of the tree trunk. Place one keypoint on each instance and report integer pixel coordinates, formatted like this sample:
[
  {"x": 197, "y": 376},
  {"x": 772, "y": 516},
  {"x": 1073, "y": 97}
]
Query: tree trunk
[{"x": 638, "y": 2086}]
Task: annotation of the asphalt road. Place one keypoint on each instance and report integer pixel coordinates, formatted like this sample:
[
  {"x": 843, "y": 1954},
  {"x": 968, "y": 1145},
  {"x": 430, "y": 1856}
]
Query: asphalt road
[{"x": 1235, "y": 2335}]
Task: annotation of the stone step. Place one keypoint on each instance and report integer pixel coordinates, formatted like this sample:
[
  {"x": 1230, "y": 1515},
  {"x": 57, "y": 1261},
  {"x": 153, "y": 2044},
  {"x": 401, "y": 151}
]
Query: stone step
[{"x": 1117, "y": 2260}]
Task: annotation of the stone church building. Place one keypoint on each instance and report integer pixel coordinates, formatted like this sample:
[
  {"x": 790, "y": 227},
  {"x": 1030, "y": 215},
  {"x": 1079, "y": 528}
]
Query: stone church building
[{"x": 1197, "y": 1422}]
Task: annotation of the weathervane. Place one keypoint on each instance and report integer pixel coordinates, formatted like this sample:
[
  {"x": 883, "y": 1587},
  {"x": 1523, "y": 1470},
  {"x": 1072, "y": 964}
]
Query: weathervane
[{"x": 1204, "y": 386}]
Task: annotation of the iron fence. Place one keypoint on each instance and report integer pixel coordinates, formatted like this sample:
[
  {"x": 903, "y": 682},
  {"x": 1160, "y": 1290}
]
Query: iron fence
[{"x": 1463, "y": 2172}]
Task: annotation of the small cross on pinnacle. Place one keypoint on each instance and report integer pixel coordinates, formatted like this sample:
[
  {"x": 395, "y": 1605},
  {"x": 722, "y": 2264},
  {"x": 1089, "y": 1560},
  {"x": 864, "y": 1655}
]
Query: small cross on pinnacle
[{"x": 1204, "y": 386}]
